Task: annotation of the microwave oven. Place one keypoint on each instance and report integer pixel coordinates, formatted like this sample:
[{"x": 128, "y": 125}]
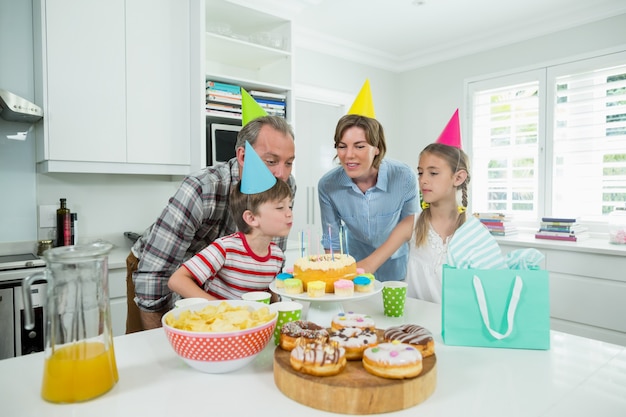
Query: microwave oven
[{"x": 221, "y": 140}]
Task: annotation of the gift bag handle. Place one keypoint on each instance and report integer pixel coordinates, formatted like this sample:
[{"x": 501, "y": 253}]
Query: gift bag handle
[{"x": 510, "y": 315}]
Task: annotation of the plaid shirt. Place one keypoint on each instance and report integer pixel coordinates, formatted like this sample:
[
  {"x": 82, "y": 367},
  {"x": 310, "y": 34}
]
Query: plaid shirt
[{"x": 194, "y": 217}]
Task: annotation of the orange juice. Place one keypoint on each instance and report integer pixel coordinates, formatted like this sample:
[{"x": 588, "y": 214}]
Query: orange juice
[{"x": 79, "y": 372}]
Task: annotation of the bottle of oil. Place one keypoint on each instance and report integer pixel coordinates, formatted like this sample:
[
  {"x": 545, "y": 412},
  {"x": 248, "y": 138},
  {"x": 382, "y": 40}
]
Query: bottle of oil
[{"x": 64, "y": 225}]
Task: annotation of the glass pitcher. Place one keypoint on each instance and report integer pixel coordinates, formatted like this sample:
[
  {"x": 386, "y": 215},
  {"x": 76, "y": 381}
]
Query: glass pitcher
[{"x": 79, "y": 358}]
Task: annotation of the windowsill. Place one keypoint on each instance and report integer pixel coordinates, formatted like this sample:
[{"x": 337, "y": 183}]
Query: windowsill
[{"x": 595, "y": 244}]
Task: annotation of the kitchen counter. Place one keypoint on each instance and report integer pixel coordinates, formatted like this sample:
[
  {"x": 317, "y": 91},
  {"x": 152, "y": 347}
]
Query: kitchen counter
[{"x": 576, "y": 377}]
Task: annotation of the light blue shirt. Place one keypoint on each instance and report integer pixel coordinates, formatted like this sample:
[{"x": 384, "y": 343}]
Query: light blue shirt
[{"x": 369, "y": 217}]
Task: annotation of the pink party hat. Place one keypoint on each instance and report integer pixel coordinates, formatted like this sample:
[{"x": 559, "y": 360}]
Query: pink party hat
[
  {"x": 256, "y": 176},
  {"x": 451, "y": 134},
  {"x": 363, "y": 104},
  {"x": 250, "y": 109}
]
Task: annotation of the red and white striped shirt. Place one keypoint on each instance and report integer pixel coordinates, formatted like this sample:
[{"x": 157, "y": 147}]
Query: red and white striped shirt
[{"x": 228, "y": 268}]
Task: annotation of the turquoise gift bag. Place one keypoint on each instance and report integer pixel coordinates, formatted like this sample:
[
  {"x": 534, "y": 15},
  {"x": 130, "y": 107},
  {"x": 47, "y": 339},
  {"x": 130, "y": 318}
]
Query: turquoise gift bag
[{"x": 500, "y": 308}]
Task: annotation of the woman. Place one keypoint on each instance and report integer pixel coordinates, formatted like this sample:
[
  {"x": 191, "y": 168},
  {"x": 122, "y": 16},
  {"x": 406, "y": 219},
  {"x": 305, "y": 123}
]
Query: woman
[{"x": 371, "y": 196}]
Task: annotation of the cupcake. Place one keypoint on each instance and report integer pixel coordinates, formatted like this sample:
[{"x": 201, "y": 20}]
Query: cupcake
[
  {"x": 316, "y": 288},
  {"x": 344, "y": 288},
  {"x": 293, "y": 286},
  {"x": 280, "y": 279},
  {"x": 363, "y": 284}
]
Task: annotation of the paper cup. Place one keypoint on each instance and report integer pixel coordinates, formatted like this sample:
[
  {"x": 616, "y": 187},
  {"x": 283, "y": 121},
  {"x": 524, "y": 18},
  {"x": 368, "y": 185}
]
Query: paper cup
[
  {"x": 184, "y": 302},
  {"x": 394, "y": 298},
  {"x": 260, "y": 296},
  {"x": 287, "y": 311}
]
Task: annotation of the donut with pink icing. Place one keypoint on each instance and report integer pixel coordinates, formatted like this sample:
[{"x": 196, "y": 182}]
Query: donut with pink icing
[
  {"x": 350, "y": 319},
  {"x": 393, "y": 360}
]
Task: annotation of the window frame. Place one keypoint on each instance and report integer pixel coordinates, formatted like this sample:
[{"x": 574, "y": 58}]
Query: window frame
[{"x": 545, "y": 74}]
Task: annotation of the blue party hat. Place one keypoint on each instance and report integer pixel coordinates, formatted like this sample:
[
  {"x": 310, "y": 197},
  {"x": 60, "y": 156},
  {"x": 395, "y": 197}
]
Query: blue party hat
[{"x": 256, "y": 176}]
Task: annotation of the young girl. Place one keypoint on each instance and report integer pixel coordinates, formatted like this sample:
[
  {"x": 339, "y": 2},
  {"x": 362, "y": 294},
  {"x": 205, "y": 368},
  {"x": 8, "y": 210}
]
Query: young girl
[{"x": 444, "y": 233}]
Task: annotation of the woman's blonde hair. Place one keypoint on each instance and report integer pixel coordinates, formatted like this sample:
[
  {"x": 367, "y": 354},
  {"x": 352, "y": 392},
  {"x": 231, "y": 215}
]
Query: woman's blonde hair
[{"x": 457, "y": 161}]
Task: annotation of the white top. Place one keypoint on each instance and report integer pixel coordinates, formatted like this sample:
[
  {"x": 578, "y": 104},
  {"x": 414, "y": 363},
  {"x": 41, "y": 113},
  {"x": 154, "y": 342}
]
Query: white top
[
  {"x": 577, "y": 377},
  {"x": 471, "y": 246}
]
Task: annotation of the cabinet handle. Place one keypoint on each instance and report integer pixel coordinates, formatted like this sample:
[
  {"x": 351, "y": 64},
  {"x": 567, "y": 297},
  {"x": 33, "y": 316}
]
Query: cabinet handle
[
  {"x": 307, "y": 204},
  {"x": 313, "y": 206}
]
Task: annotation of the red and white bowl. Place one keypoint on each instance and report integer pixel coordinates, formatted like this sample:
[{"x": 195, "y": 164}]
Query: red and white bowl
[{"x": 214, "y": 352}]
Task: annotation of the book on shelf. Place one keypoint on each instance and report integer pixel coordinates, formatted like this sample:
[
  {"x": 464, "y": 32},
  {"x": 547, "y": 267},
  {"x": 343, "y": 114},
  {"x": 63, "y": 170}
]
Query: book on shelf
[
  {"x": 224, "y": 87},
  {"x": 266, "y": 94},
  {"x": 223, "y": 107},
  {"x": 490, "y": 216},
  {"x": 569, "y": 238},
  {"x": 559, "y": 220},
  {"x": 553, "y": 233},
  {"x": 223, "y": 98},
  {"x": 270, "y": 104},
  {"x": 574, "y": 228},
  {"x": 225, "y": 114}
]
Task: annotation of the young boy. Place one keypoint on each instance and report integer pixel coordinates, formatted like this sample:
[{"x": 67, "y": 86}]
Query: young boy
[{"x": 247, "y": 260}]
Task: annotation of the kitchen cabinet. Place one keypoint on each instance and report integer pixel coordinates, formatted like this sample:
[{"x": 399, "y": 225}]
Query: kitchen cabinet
[
  {"x": 249, "y": 48},
  {"x": 117, "y": 299},
  {"x": 587, "y": 286},
  {"x": 115, "y": 81}
]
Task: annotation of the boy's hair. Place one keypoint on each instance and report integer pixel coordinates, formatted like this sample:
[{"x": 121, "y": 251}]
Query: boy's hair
[
  {"x": 240, "y": 202},
  {"x": 457, "y": 160},
  {"x": 250, "y": 132},
  {"x": 374, "y": 133}
]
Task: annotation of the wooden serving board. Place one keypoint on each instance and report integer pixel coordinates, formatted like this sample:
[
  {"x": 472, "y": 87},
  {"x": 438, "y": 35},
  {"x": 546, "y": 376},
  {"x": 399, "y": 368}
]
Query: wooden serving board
[{"x": 354, "y": 390}]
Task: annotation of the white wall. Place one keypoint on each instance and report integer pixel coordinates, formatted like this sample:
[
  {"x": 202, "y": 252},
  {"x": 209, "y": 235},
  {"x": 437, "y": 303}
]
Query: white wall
[
  {"x": 108, "y": 205},
  {"x": 431, "y": 94},
  {"x": 331, "y": 73}
]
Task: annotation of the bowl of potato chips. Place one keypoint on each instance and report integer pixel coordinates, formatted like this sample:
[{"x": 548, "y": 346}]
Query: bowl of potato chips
[{"x": 219, "y": 336}]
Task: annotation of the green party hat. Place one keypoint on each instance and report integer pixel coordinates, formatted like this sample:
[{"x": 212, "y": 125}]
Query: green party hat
[{"x": 250, "y": 109}]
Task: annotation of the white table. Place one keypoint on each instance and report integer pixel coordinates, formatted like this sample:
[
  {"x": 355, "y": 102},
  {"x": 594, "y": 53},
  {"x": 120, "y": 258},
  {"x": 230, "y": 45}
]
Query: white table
[{"x": 577, "y": 377}]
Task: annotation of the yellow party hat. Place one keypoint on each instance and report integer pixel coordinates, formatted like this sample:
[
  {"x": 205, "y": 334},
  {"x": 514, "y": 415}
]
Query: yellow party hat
[
  {"x": 250, "y": 109},
  {"x": 363, "y": 104}
]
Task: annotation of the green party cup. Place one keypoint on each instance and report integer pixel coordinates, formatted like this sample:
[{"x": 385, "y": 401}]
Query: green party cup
[
  {"x": 394, "y": 298},
  {"x": 287, "y": 311},
  {"x": 259, "y": 296}
]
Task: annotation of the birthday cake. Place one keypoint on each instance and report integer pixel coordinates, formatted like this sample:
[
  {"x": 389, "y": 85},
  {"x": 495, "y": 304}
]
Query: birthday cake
[{"x": 327, "y": 268}]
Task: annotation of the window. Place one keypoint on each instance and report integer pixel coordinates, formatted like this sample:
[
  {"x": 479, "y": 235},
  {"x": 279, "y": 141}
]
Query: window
[{"x": 550, "y": 141}]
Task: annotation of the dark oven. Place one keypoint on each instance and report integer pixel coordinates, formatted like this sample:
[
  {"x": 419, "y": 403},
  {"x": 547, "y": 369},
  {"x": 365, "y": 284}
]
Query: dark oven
[
  {"x": 221, "y": 139},
  {"x": 15, "y": 340}
]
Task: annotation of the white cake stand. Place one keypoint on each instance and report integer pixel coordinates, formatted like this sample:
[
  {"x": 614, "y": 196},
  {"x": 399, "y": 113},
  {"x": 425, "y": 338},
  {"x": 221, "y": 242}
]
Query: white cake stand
[{"x": 322, "y": 309}]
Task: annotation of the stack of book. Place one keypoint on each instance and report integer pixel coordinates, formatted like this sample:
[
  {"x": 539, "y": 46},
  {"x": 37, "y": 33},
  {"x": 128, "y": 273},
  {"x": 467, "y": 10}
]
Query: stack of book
[
  {"x": 274, "y": 104},
  {"x": 223, "y": 100},
  {"x": 568, "y": 229},
  {"x": 497, "y": 223}
]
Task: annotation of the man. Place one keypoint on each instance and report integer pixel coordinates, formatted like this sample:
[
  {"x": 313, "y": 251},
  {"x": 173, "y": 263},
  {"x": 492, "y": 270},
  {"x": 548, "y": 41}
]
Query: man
[{"x": 195, "y": 216}]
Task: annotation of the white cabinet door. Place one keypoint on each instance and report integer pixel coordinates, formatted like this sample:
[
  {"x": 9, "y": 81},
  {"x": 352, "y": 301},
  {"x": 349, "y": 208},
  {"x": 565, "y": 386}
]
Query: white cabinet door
[
  {"x": 158, "y": 81},
  {"x": 114, "y": 78},
  {"x": 84, "y": 80},
  {"x": 314, "y": 130}
]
